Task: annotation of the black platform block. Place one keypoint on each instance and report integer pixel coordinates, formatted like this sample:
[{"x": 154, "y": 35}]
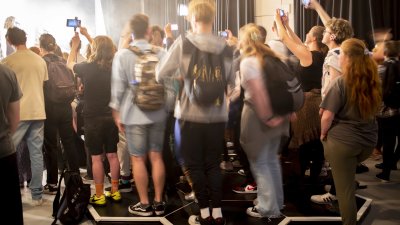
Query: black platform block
[{"x": 298, "y": 208}]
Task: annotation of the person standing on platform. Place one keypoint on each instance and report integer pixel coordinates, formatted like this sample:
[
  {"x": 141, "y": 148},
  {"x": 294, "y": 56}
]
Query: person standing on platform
[
  {"x": 348, "y": 126},
  {"x": 261, "y": 131},
  {"x": 101, "y": 134},
  {"x": 201, "y": 117},
  {"x": 143, "y": 128}
]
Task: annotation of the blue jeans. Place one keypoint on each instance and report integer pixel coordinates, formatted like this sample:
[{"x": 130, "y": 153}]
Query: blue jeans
[
  {"x": 261, "y": 145},
  {"x": 266, "y": 169},
  {"x": 177, "y": 144},
  {"x": 32, "y": 132}
]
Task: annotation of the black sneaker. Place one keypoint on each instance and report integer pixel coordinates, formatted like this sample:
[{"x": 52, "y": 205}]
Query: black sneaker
[
  {"x": 380, "y": 166},
  {"x": 140, "y": 210},
  {"x": 361, "y": 168},
  {"x": 220, "y": 221},
  {"x": 50, "y": 189},
  {"x": 384, "y": 178},
  {"x": 159, "y": 208},
  {"x": 123, "y": 188},
  {"x": 207, "y": 221}
]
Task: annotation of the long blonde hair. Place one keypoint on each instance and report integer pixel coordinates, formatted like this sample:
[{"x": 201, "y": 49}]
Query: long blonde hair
[
  {"x": 251, "y": 43},
  {"x": 361, "y": 78},
  {"x": 102, "y": 52}
]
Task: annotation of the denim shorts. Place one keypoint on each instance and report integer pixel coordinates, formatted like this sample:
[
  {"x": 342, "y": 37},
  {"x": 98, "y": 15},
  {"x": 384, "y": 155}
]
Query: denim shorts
[{"x": 142, "y": 139}]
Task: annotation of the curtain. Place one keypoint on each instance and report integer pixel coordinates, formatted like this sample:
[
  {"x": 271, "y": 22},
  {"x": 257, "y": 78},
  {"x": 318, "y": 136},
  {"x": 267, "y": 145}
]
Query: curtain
[
  {"x": 366, "y": 16},
  {"x": 230, "y": 14}
]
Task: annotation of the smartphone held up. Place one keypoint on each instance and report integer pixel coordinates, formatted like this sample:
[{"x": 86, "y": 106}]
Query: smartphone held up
[
  {"x": 174, "y": 26},
  {"x": 223, "y": 34},
  {"x": 281, "y": 12},
  {"x": 305, "y": 2},
  {"x": 74, "y": 23}
]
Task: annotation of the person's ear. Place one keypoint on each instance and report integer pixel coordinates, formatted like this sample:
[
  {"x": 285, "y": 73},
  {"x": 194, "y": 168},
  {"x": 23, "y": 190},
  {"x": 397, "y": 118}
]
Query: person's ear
[{"x": 332, "y": 37}]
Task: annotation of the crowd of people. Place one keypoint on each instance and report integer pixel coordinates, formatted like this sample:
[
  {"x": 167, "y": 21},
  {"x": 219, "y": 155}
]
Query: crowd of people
[{"x": 153, "y": 98}]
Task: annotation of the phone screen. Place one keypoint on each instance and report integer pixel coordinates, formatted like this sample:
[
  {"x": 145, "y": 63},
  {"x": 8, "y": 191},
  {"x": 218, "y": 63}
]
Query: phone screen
[
  {"x": 174, "y": 26},
  {"x": 281, "y": 12},
  {"x": 223, "y": 34},
  {"x": 306, "y": 2},
  {"x": 73, "y": 23}
]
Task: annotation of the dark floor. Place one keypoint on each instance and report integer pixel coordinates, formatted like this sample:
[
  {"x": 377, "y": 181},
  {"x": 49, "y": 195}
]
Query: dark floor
[{"x": 297, "y": 204}]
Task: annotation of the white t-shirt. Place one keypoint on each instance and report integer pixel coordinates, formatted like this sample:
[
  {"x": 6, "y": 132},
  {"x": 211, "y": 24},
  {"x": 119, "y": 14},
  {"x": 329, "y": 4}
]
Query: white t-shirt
[{"x": 331, "y": 60}]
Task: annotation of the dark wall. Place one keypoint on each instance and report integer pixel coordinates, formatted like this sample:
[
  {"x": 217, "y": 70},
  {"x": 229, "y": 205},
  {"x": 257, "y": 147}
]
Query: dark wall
[{"x": 366, "y": 16}]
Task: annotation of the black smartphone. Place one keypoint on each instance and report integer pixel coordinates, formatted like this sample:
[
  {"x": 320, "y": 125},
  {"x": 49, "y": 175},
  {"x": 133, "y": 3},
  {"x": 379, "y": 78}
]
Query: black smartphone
[{"x": 73, "y": 23}]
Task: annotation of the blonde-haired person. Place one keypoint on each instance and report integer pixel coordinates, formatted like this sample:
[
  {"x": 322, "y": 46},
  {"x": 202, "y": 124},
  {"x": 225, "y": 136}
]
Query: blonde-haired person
[
  {"x": 101, "y": 133},
  {"x": 201, "y": 125},
  {"x": 348, "y": 126},
  {"x": 261, "y": 132}
]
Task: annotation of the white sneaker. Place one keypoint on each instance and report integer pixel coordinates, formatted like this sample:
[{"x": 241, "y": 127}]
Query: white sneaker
[
  {"x": 193, "y": 220},
  {"x": 241, "y": 172},
  {"x": 252, "y": 211},
  {"x": 37, "y": 202},
  {"x": 326, "y": 198}
]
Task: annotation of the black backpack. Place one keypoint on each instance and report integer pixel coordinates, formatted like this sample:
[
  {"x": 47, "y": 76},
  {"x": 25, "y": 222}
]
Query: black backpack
[
  {"x": 75, "y": 199},
  {"x": 148, "y": 93},
  {"x": 60, "y": 88},
  {"x": 284, "y": 88},
  {"x": 391, "y": 84},
  {"x": 207, "y": 75}
]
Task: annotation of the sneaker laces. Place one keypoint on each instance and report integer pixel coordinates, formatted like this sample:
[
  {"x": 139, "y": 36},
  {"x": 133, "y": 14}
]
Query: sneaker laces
[{"x": 328, "y": 197}]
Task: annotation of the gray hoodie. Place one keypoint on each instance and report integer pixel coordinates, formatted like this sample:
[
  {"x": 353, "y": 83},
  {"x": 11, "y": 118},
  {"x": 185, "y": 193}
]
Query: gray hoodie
[{"x": 176, "y": 60}]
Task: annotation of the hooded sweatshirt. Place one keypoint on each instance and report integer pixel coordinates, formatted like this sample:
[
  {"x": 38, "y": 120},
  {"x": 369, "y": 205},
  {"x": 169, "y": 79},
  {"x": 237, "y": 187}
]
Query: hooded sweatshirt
[{"x": 176, "y": 60}]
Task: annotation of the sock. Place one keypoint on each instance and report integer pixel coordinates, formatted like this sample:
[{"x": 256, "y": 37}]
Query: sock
[
  {"x": 216, "y": 213},
  {"x": 99, "y": 189},
  {"x": 114, "y": 185},
  {"x": 125, "y": 180},
  {"x": 205, "y": 212}
]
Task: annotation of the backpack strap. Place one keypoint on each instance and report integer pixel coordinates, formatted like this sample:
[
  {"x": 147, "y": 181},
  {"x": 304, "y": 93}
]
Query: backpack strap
[
  {"x": 56, "y": 202},
  {"x": 136, "y": 50},
  {"x": 139, "y": 52}
]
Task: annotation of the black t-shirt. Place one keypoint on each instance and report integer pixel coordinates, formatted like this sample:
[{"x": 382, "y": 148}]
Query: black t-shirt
[
  {"x": 97, "y": 89},
  {"x": 310, "y": 76},
  {"x": 9, "y": 92}
]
